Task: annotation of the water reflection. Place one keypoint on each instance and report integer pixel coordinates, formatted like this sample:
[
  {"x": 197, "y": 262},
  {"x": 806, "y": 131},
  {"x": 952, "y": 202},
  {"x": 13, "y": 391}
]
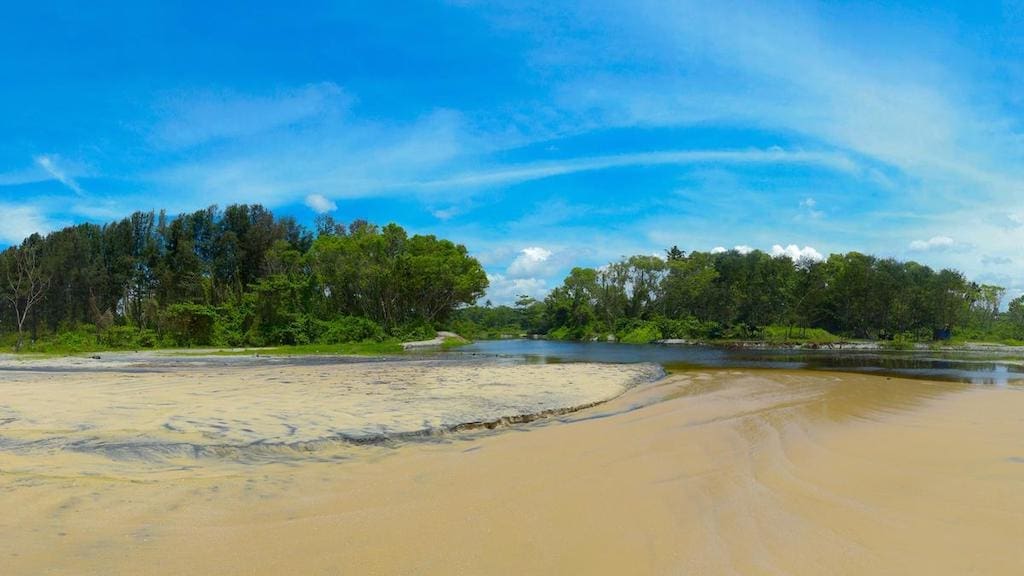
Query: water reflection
[{"x": 974, "y": 368}]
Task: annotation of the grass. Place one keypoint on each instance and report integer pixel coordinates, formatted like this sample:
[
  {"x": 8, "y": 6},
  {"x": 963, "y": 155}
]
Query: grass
[
  {"x": 785, "y": 334},
  {"x": 369, "y": 348},
  {"x": 454, "y": 343}
]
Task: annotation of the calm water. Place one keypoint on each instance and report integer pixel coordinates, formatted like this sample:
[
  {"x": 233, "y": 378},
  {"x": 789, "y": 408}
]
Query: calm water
[{"x": 977, "y": 368}]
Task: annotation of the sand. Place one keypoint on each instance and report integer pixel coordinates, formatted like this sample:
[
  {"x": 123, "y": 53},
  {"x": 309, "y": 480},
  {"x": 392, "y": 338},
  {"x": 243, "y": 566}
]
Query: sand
[{"x": 718, "y": 472}]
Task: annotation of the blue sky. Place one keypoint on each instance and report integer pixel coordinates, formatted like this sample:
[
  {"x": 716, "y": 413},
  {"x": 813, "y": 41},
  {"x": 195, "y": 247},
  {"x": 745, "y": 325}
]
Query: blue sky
[{"x": 542, "y": 135}]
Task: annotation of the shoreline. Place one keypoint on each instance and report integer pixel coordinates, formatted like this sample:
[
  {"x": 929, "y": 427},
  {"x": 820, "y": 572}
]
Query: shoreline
[{"x": 413, "y": 350}]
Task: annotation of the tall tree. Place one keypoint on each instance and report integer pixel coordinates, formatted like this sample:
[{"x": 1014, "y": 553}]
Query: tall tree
[{"x": 26, "y": 282}]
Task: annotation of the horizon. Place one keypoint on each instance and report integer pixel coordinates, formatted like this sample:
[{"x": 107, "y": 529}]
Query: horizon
[{"x": 542, "y": 137}]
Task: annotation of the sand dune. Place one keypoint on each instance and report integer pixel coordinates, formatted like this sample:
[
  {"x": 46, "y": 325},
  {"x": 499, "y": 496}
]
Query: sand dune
[{"x": 726, "y": 472}]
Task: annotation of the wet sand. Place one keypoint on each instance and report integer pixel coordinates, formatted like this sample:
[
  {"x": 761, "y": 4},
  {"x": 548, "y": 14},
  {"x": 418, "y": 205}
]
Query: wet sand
[{"x": 719, "y": 472}]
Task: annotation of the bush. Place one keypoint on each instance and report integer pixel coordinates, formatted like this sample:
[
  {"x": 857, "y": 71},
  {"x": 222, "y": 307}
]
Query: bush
[
  {"x": 688, "y": 328},
  {"x": 739, "y": 332},
  {"x": 348, "y": 329},
  {"x": 414, "y": 331},
  {"x": 191, "y": 324},
  {"x": 560, "y": 333},
  {"x": 797, "y": 334},
  {"x": 901, "y": 341},
  {"x": 73, "y": 341},
  {"x": 642, "y": 333},
  {"x": 128, "y": 338}
]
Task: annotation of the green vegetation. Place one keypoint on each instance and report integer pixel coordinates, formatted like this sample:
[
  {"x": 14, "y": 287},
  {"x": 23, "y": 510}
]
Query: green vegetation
[
  {"x": 241, "y": 278},
  {"x": 794, "y": 335},
  {"x": 345, "y": 349},
  {"x": 233, "y": 278},
  {"x": 755, "y": 296}
]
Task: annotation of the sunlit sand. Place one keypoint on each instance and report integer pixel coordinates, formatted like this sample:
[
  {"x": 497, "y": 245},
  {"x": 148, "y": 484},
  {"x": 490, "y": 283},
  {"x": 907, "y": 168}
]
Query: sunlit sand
[{"x": 718, "y": 472}]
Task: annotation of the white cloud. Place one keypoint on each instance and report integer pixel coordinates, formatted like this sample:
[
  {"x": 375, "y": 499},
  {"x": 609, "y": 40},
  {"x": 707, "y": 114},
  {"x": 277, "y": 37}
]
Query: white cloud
[
  {"x": 1007, "y": 220},
  {"x": 49, "y": 164},
  {"x": 531, "y": 261},
  {"x": 935, "y": 243},
  {"x": 796, "y": 253},
  {"x": 320, "y": 203},
  {"x": 808, "y": 205},
  {"x": 504, "y": 290},
  {"x": 195, "y": 118},
  {"x": 741, "y": 248},
  {"x": 446, "y": 213},
  {"x": 339, "y": 159},
  {"x": 21, "y": 221},
  {"x": 514, "y": 174}
]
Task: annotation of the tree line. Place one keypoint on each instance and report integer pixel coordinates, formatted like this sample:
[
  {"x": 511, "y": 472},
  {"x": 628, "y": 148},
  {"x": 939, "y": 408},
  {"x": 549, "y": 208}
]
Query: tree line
[
  {"x": 237, "y": 276},
  {"x": 753, "y": 295}
]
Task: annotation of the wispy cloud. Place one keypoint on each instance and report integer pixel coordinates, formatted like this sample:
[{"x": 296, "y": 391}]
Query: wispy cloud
[
  {"x": 23, "y": 220},
  {"x": 193, "y": 118},
  {"x": 506, "y": 175},
  {"x": 50, "y": 165}
]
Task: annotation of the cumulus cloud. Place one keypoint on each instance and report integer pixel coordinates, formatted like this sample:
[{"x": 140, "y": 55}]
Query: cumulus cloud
[
  {"x": 320, "y": 204},
  {"x": 531, "y": 261},
  {"x": 741, "y": 248},
  {"x": 796, "y": 253},
  {"x": 49, "y": 164},
  {"x": 935, "y": 243},
  {"x": 505, "y": 290}
]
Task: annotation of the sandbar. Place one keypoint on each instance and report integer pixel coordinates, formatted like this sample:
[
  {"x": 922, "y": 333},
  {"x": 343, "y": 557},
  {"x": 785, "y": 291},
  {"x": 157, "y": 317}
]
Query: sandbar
[{"x": 702, "y": 472}]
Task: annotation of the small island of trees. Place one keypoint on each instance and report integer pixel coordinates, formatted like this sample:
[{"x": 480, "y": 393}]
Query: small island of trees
[
  {"x": 233, "y": 277},
  {"x": 755, "y": 296}
]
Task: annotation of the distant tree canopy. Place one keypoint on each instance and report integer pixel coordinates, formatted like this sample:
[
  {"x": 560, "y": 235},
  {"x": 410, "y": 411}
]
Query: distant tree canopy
[
  {"x": 237, "y": 276},
  {"x": 738, "y": 295}
]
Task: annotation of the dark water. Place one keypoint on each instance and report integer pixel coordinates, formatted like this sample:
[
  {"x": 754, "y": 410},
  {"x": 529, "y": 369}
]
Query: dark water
[{"x": 976, "y": 368}]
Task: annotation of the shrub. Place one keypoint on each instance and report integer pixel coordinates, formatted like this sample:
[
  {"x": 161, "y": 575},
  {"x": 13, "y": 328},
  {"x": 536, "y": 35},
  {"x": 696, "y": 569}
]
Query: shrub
[
  {"x": 414, "y": 331},
  {"x": 191, "y": 323},
  {"x": 798, "y": 334},
  {"x": 348, "y": 329},
  {"x": 128, "y": 338},
  {"x": 560, "y": 333},
  {"x": 642, "y": 333},
  {"x": 689, "y": 327},
  {"x": 73, "y": 341}
]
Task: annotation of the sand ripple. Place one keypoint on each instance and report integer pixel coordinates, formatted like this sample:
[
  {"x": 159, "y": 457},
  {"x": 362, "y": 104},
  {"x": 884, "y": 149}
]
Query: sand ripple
[{"x": 165, "y": 411}]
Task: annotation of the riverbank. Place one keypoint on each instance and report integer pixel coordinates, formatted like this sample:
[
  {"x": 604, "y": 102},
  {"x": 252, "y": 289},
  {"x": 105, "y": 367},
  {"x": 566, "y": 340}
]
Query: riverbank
[{"x": 713, "y": 472}]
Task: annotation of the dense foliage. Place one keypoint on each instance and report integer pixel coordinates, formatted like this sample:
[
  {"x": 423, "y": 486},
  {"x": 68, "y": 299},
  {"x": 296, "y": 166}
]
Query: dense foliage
[
  {"x": 234, "y": 277},
  {"x": 733, "y": 295}
]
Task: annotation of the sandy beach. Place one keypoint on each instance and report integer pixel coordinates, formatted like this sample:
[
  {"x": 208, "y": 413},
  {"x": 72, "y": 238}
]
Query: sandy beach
[{"x": 704, "y": 472}]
